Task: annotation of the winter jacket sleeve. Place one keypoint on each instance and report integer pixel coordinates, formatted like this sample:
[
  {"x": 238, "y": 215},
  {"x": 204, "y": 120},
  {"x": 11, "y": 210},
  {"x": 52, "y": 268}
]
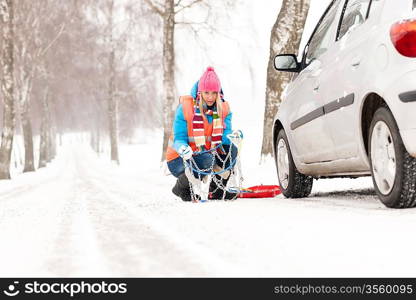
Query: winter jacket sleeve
[
  {"x": 180, "y": 129},
  {"x": 228, "y": 129}
]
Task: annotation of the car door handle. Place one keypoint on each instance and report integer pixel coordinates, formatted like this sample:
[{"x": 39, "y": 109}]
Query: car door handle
[
  {"x": 356, "y": 61},
  {"x": 316, "y": 88}
]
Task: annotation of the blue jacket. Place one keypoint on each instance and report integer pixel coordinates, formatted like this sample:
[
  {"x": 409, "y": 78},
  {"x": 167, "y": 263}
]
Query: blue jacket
[{"x": 180, "y": 126}]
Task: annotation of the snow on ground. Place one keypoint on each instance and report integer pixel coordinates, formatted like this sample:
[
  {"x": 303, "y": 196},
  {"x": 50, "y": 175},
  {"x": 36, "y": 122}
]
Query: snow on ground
[{"x": 83, "y": 216}]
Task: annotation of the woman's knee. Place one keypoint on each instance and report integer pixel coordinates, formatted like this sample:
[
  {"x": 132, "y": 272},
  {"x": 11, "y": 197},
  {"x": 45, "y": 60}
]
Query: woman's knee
[
  {"x": 227, "y": 157},
  {"x": 176, "y": 167},
  {"x": 204, "y": 160}
]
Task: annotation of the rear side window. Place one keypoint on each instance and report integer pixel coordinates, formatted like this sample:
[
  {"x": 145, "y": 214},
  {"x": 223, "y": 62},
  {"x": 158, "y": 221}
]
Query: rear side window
[
  {"x": 355, "y": 13},
  {"x": 414, "y": 4}
]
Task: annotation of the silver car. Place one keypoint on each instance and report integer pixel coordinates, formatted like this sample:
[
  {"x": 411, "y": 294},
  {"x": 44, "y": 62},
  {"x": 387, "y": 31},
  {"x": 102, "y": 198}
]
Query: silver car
[{"x": 350, "y": 109}]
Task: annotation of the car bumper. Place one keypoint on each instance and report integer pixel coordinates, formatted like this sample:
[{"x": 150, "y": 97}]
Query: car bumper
[{"x": 400, "y": 97}]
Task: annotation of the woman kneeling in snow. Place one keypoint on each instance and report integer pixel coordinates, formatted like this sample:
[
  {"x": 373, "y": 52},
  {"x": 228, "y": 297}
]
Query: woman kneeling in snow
[{"x": 202, "y": 122}]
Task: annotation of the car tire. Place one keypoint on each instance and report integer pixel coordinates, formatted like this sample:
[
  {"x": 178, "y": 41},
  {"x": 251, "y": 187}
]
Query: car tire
[
  {"x": 293, "y": 184},
  {"x": 392, "y": 168}
]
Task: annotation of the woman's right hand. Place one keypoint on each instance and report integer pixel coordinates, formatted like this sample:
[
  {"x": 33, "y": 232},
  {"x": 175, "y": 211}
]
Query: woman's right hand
[{"x": 185, "y": 152}]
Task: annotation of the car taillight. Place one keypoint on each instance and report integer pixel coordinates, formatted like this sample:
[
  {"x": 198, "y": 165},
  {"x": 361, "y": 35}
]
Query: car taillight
[{"x": 403, "y": 36}]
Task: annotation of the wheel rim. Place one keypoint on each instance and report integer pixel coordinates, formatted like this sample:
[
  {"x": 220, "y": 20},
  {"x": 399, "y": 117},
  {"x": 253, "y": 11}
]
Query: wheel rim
[
  {"x": 283, "y": 164},
  {"x": 383, "y": 157}
]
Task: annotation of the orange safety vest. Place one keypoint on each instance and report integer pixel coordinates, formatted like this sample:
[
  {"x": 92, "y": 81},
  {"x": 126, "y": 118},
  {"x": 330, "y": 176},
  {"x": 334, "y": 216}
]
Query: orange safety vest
[{"x": 188, "y": 112}]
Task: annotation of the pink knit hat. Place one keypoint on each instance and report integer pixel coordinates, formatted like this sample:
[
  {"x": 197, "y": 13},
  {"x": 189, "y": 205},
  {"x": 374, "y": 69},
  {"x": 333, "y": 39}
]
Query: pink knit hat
[{"x": 209, "y": 81}]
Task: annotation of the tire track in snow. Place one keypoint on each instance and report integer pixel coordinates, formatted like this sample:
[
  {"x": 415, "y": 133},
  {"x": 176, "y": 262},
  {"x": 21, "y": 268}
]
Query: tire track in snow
[
  {"x": 48, "y": 230},
  {"x": 11, "y": 197},
  {"x": 28, "y": 228},
  {"x": 156, "y": 249},
  {"x": 77, "y": 251}
]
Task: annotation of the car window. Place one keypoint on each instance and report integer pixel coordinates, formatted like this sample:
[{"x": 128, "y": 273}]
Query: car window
[
  {"x": 354, "y": 15},
  {"x": 321, "y": 39}
]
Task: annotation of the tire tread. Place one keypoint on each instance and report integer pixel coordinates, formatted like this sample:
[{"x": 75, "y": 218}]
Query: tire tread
[
  {"x": 408, "y": 193},
  {"x": 301, "y": 185},
  {"x": 403, "y": 194}
]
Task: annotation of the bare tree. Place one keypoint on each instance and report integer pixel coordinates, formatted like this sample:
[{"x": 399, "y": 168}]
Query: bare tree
[
  {"x": 112, "y": 100},
  {"x": 44, "y": 150},
  {"x": 34, "y": 38},
  {"x": 167, "y": 12},
  {"x": 27, "y": 22},
  {"x": 113, "y": 36},
  {"x": 7, "y": 86},
  {"x": 75, "y": 73},
  {"x": 285, "y": 37}
]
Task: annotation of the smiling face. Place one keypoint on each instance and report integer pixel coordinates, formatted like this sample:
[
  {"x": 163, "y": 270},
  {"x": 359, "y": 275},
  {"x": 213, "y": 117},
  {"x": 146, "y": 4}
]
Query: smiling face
[{"x": 209, "y": 97}]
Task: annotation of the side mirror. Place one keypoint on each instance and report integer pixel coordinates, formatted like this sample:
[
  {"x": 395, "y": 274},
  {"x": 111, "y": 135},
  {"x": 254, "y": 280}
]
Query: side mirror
[{"x": 286, "y": 63}]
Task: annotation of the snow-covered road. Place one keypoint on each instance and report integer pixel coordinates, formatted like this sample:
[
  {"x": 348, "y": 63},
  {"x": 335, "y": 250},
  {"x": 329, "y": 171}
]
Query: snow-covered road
[{"x": 82, "y": 216}]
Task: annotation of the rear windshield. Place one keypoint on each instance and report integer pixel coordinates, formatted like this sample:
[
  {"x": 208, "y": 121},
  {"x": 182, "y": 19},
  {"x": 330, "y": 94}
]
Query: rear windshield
[{"x": 414, "y": 4}]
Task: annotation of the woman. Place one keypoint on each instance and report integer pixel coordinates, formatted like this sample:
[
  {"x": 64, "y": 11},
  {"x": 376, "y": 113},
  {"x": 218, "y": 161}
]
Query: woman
[{"x": 202, "y": 122}]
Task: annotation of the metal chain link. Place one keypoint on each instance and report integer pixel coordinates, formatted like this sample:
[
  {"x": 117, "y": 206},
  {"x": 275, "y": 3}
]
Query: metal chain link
[
  {"x": 197, "y": 182},
  {"x": 194, "y": 181}
]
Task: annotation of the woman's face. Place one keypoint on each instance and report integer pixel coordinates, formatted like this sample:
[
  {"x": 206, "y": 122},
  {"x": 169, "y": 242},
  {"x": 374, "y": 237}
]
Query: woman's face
[{"x": 209, "y": 97}]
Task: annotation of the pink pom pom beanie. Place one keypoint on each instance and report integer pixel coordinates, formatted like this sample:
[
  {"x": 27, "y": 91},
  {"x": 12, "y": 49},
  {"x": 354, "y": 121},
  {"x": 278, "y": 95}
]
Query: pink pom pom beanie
[{"x": 209, "y": 81}]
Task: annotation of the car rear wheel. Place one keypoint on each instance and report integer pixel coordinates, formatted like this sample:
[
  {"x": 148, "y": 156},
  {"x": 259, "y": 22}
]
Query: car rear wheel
[
  {"x": 292, "y": 183},
  {"x": 392, "y": 168}
]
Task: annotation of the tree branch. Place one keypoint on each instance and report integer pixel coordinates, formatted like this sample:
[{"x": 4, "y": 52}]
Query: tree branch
[
  {"x": 187, "y": 6},
  {"x": 154, "y": 7},
  {"x": 53, "y": 41},
  {"x": 189, "y": 23}
]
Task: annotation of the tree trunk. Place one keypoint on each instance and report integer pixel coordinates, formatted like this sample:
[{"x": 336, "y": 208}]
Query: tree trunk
[
  {"x": 52, "y": 129},
  {"x": 112, "y": 111},
  {"x": 52, "y": 142},
  {"x": 43, "y": 148},
  {"x": 28, "y": 140},
  {"x": 95, "y": 137},
  {"x": 7, "y": 86},
  {"x": 48, "y": 142},
  {"x": 112, "y": 100},
  {"x": 168, "y": 72},
  {"x": 285, "y": 38},
  {"x": 48, "y": 130},
  {"x": 92, "y": 140},
  {"x": 27, "y": 125},
  {"x": 26, "y": 73}
]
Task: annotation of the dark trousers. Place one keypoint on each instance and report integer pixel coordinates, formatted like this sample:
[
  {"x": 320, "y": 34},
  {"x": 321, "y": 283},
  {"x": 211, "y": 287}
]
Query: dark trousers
[{"x": 204, "y": 161}]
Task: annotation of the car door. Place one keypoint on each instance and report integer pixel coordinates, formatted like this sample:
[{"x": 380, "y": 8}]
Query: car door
[
  {"x": 351, "y": 53},
  {"x": 310, "y": 131}
]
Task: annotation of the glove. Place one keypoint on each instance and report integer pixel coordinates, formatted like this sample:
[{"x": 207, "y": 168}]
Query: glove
[
  {"x": 185, "y": 152},
  {"x": 237, "y": 134}
]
